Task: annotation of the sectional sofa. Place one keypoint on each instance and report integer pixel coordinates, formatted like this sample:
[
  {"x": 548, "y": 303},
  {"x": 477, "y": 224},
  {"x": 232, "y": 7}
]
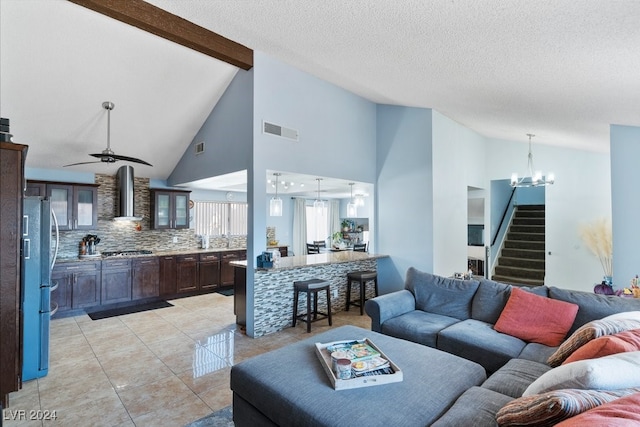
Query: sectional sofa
[{"x": 519, "y": 335}]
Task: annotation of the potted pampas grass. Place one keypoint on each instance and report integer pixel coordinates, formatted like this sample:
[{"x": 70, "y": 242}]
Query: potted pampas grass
[{"x": 597, "y": 236}]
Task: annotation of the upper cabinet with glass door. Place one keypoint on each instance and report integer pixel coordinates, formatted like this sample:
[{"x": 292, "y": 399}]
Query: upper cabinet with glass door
[
  {"x": 75, "y": 205},
  {"x": 170, "y": 209}
]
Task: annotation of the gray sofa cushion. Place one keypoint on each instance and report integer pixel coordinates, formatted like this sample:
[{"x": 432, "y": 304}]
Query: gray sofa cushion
[
  {"x": 514, "y": 377},
  {"x": 537, "y": 352},
  {"x": 593, "y": 306},
  {"x": 417, "y": 326},
  {"x": 478, "y": 341},
  {"x": 489, "y": 300},
  {"x": 476, "y": 407},
  {"x": 441, "y": 295},
  {"x": 387, "y": 306}
]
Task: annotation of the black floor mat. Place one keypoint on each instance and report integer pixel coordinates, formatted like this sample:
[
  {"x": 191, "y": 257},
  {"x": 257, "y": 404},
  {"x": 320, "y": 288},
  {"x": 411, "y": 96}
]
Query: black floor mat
[
  {"x": 226, "y": 292},
  {"x": 128, "y": 310}
]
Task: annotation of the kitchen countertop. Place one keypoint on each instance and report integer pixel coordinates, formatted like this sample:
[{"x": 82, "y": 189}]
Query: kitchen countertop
[
  {"x": 156, "y": 253},
  {"x": 317, "y": 259}
]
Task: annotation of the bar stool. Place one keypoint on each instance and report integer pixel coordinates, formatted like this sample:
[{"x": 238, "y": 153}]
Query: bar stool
[
  {"x": 362, "y": 277},
  {"x": 311, "y": 287}
]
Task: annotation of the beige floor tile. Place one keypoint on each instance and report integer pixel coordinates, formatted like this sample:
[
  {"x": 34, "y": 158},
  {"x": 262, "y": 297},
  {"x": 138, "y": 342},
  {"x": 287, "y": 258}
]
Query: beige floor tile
[
  {"x": 201, "y": 383},
  {"x": 64, "y": 328},
  {"x": 132, "y": 373},
  {"x": 25, "y": 399},
  {"x": 124, "y": 342},
  {"x": 106, "y": 411},
  {"x": 218, "y": 397},
  {"x": 76, "y": 393},
  {"x": 67, "y": 373},
  {"x": 155, "y": 396},
  {"x": 67, "y": 350},
  {"x": 178, "y": 413},
  {"x": 162, "y": 332},
  {"x": 119, "y": 352},
  {"x": 99, "y": 325}
]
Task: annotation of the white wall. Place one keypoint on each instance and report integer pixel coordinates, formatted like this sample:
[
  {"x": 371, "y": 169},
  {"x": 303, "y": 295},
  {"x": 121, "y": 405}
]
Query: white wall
[
  {"x": 458, "y": 162},
  {"x": 581, "y": 193}
]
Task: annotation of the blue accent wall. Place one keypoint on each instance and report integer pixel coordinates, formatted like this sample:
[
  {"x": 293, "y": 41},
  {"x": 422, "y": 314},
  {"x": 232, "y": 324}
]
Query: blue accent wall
[
  {"x": 625, "y": 201},
  {"x": 227, "y": 135},
  {"x": 404, "y": 193}
]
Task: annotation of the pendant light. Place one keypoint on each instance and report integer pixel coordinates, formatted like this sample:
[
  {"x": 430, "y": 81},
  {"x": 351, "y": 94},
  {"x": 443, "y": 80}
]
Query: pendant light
[
  {"x": 352, "y": 207},
  {"x": 275, "y": 205},
  {"x": 535, "y": 178},
  {"x": 318, "y": 205}
]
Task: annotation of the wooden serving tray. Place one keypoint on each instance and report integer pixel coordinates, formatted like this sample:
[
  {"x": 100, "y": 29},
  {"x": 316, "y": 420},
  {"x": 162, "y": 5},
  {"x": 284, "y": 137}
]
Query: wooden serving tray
[{"x": 356, "y": 382}]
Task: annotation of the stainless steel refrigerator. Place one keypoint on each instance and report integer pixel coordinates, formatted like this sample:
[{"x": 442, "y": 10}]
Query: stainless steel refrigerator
[{"x": 39, "y": 250}]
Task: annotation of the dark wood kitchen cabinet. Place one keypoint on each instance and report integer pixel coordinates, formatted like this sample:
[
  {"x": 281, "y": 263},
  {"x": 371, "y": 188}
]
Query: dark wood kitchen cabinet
[
  {"x": 186, "y": 273},
  {"x": 145, "y": 278},
  {"x": 167, "y": 280},
  {"x": 209, "y": 271},
  {"x": 75, "y": 205},
  {"x": 116, "y": 280},
  {"x": 12, "y": 158},
  {"x": 61, "y": 294},
  {"x": 227, "y": 271},
  {"x": 81, "y": 279},
  {"x": 169, "y": 209}
]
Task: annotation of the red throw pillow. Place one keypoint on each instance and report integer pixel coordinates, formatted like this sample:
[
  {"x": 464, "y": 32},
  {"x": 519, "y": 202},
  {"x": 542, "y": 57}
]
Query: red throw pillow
[
  {"x": 535, "y": 318},
  {"x": 609, "y": 344},
  {"x": 623, "y": 412}
]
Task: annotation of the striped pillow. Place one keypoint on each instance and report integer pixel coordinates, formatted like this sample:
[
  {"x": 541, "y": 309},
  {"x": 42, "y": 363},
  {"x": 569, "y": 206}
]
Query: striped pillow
[
  {"x": 607, "y": 326},
  {"x": 547, "y": 409}
]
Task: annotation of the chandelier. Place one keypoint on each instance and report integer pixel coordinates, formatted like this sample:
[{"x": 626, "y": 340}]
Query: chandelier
[
  {"x": 535, "y": 179},
  {"x": 318, "y": 205}
]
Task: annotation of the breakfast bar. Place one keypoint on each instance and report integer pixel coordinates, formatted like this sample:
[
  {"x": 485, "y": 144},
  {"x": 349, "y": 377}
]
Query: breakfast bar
[{"x": 273, "y": 287}]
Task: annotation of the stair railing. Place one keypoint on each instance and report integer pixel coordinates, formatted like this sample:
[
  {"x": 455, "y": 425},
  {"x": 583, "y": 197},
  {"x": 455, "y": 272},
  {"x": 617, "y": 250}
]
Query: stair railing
[
  {"x": 504, "y": 215},
  {"x": 500, "y": 233}
]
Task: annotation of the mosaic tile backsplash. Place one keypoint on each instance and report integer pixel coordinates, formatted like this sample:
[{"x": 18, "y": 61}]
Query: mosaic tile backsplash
[{"x": 122, "y": 235}]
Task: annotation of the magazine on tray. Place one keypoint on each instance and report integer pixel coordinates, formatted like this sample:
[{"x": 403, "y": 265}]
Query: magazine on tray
[{"x": 357, "y": 350}]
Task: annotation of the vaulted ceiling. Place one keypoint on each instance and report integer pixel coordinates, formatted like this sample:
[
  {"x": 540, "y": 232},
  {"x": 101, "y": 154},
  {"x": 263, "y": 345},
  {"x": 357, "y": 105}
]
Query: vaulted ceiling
[{"x": 563, "y": 70}]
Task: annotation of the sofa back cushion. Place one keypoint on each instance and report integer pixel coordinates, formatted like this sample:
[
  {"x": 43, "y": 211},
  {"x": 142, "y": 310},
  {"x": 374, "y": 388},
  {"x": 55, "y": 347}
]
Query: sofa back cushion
[
  {"x": 441, "y": 295},
  {"x": 492, "y": 296},
  {"x": 534, "y": 318},
  {"x": 593, "y": 306}
]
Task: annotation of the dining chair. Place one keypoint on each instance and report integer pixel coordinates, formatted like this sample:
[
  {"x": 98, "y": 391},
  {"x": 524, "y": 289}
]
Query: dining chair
[
  {"x": 360, "y": 247},
  {"x": 312, "y": 249}
]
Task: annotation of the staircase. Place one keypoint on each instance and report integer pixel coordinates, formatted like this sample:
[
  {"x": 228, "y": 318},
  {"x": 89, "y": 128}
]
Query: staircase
[{"x": 522, "y": 259}]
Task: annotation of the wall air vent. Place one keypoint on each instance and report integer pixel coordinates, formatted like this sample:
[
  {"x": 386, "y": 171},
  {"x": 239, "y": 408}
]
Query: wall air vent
[
  {"x": 281, "y": 131},
  {"x": 199, "y": 148}
]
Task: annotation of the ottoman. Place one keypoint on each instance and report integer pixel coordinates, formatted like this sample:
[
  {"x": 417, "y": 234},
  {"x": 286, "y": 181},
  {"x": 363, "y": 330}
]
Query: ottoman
[{"x": 288, "y": 386}]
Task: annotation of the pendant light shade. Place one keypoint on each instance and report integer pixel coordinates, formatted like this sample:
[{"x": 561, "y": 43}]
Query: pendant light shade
[
  {"x": 352, "y": 207},
  {"x": 275, "y": 204},
  {"x": 318, "y": 205}
]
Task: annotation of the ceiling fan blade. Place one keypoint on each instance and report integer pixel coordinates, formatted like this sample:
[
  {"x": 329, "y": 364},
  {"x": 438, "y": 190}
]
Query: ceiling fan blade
[
  {"x": 130, "y": 159},
  {"x": 81, "y": 163}
]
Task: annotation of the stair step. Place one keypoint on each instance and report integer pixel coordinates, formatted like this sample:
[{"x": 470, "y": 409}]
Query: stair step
[
  {"x": 528, "y": 221},
  {"x": 531, "y": 207},
  {"x": 529, "y": 214},
  {"x": 529, "y": 237},
  {"x": 517, "y": 281},
  {"x": 528, "y": 273},
  {"x": 523, "y": 253},
  {"x": 527, "y": 228},
  {"x": 520, "y": 244},
  {"x": 536, "y": 264}
]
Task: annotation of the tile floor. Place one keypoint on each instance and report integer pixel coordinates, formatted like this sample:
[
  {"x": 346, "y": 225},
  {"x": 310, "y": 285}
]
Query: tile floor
[{"x": 166, "y": 367}]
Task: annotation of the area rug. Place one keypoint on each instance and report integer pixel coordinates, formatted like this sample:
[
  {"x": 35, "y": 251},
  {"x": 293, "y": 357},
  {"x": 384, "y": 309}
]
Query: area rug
[
  {"x": 221, "y": 418},
  {"x": 226, "y": 292},
  {"x": 97, "y": 315}
]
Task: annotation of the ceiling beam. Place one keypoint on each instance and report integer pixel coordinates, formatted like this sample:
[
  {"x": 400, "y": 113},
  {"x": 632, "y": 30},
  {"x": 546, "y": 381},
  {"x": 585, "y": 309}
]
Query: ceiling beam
[{"x": 158, "y": 21}]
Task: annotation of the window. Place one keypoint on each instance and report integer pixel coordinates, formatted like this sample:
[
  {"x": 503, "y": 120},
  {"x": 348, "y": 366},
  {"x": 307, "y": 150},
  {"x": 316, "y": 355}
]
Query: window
[
  {"x": 317, "y": 223},
  {"x": 220, "y": 218}
]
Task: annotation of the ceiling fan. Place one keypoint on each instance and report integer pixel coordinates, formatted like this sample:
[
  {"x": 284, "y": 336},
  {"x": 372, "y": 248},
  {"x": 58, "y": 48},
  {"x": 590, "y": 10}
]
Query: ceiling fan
[{"x": 107, "y": 155}]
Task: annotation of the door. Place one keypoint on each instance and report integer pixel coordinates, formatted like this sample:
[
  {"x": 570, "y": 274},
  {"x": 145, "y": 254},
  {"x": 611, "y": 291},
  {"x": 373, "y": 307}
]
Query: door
[
  {"x": 61, "y": 197},
  {"x": 145, "y": 278},
  {"x": 181, "y": 211},
  {"x": 85, "y": 201},
  {"x": 85, "y": 289},
  {"x": 162, "y": 210},
  {"x": 187, "y": 273},
  {"x": 116, "y": 281}
]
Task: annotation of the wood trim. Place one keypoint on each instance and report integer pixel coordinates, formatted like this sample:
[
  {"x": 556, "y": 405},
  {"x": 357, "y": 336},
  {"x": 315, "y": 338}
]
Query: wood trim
[{"x": 158, "y": 21}]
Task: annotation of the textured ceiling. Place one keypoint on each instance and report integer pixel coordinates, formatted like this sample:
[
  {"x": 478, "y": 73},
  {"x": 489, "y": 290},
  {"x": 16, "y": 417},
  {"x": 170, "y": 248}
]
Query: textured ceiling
[{"x": 563, "y": 70}]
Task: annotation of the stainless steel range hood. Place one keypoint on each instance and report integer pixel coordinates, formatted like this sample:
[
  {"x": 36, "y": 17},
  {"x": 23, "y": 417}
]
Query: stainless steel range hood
[{"x": 125, "y": 195}]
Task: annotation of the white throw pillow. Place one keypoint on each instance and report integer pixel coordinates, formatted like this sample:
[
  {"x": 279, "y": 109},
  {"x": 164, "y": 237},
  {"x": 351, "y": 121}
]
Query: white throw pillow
[{"x": 613, "y": 372}]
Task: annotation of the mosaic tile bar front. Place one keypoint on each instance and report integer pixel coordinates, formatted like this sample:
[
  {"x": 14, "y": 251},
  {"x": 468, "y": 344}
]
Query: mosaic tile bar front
[
  {"x": 273, "y": 292},
  {"x": 123, "y": 235}
]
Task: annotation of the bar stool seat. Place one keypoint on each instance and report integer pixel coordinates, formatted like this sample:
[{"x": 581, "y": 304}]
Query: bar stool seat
[
  {"x": 311, "y": 287},
  {"x": 361, "y": 277}
]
